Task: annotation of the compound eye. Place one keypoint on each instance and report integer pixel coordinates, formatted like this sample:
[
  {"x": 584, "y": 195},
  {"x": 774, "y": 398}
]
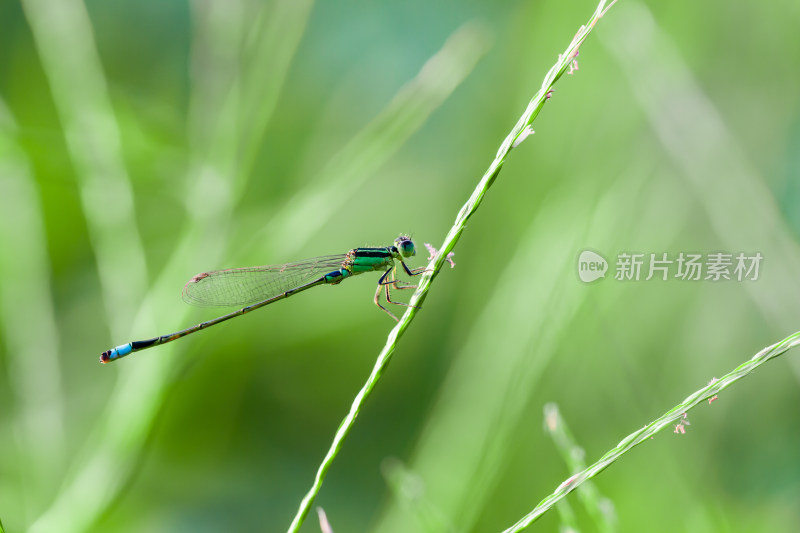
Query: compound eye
[{"x": 405, "y": 246}]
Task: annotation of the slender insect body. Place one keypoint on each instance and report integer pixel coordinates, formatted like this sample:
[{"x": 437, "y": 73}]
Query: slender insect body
[{"x": 256, "y": 287}]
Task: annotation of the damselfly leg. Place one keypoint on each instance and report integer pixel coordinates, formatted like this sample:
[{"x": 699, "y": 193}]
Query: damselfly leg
[{"x": 389, "y": 279}]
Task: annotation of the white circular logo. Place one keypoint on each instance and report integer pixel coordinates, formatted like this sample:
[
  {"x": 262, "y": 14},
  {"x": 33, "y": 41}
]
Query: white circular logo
[{"x": 591, "y": 266}]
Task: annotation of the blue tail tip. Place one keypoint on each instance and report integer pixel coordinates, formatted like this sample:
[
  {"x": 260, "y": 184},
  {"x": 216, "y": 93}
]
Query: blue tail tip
[{"x": 116, "y": 353}]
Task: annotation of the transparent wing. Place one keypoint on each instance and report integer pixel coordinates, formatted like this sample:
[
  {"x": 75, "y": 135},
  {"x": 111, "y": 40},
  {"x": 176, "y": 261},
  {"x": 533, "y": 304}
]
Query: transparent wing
[{"x": 245, "y": 286}]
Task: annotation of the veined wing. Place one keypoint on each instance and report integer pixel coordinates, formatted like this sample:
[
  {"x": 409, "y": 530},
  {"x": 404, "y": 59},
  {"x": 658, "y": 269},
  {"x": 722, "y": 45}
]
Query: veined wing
[{"x": 245, "y": 286}]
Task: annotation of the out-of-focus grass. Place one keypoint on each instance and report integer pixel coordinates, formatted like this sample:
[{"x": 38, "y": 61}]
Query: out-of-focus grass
[
  {"x": 29, "y": 322},
  {"x": 154, "y": 140},
  {"x": 219, "y": 146},
  {"x": 63, "y": 36},
  {"x": 676, "y": 414},
  {"x": 740, "y": 207},
  {"x": 601, "y": 509},
  {"x": 520, "y": 131}
]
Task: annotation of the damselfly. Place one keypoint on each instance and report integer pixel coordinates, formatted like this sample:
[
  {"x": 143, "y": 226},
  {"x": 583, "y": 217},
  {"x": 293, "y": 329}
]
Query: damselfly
[{"x": 256, "y": 287}]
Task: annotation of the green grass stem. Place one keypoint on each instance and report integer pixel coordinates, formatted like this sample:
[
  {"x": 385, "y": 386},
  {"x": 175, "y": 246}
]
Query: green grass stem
[
  {"x": 222, "y": 123},
  {"x": 711, "y": 160},
  {"x": 64, "y": 37},
  {"x": 345, "y": 173},
  {"x": 408, "y": 489},
  {"x": 518, "y": 133},
  {"x": 651, "y": 429},
  {"x": 28, "y": 316},
  {"x": 600, "y": 509}
]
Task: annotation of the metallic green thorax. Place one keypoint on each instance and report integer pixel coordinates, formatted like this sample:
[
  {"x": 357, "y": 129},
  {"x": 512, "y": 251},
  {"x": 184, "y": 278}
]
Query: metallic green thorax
[{"x": 360, "y": 260}]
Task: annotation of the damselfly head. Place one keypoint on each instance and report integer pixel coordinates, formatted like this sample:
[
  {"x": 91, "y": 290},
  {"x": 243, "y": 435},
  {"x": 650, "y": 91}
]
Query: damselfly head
[{"x": 405, "y": 246}]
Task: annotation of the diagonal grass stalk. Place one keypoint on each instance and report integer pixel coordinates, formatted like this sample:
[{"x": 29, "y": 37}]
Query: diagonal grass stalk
[
  {"x": 28, "y": 319},
  {"x": 568, "y": 519},
  {"x": 600, "y": 509},
  {"x": 108, "y": 458},
  {"x": 409, "y": 490},
  {"x": 275, "y": 40},
  {"x": 651, "y": 429},
  {"x": 710, "y": 157},
  {"x": 523, "y": 340},
  {"x": 308, "y": 211},
  {"x": 97, "y": 474},
  {"x": 65, "y": 41},
  {"x": 518, "y": 133}
]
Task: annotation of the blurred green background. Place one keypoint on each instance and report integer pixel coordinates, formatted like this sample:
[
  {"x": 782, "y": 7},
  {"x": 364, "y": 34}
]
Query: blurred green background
[{"x": 143, "y": 142}]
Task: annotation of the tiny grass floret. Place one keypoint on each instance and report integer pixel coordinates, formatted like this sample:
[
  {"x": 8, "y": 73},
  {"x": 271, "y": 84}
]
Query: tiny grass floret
[
  {"x": 680, "y": 427},
  {"x": 433, "y": 251}
]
